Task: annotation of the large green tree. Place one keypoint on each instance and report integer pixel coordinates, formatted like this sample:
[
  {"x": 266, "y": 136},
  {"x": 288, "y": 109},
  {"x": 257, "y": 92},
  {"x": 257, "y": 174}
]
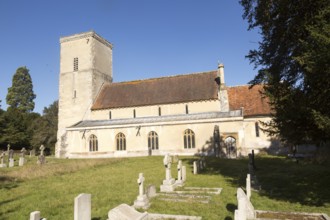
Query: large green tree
[
  {"x": 45, "y": 128},
  {"x": 20, "y": 95},
  {"x": 293, "y": 62}
]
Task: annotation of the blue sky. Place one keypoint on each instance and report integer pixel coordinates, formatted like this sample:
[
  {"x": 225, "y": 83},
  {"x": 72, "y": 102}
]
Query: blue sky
[{"x": 151, "y": 38}]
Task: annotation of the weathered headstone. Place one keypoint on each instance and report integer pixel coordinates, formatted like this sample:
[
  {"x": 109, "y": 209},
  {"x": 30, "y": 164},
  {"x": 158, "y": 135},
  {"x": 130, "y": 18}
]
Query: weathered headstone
[
  {"x": 179, "y": 181},
  {"x": 248, "y": 187},
  {"x": 82, "y": 207},
  {"x": 184, "y": 173},
  {"x": 35, "y": 215},
  {"x": 2, "y": 158},
  {"x": 22, "y": 157},
  {"x": 245, "y": 209},
  {"x": 195, "y": 167},
  {"x": 142, "y": 200},
  {"x": 126, "y": 212},
  {"x": 11, "y": 158},
  {"x": 41, "y": 159},
  {"x": 168, "y": 183},
  {"x": 151, "y": 191},
  {"x": 32, "y": 152}
]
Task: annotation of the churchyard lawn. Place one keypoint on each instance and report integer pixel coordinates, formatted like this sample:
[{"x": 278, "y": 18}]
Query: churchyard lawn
[{"x": 52, "y": 187}]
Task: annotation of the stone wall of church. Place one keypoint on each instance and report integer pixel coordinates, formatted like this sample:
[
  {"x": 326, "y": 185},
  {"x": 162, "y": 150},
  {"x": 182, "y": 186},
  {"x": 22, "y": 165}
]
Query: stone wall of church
[{"x": 156, "y": 110}]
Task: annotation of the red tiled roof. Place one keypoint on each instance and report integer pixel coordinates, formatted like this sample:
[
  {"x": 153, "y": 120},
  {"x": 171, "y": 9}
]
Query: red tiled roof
[
  {"x": 250, "y": 99},
  {"x": 174, "y": 89}
]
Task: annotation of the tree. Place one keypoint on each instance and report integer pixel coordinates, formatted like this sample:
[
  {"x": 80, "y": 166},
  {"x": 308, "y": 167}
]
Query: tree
[
  {"x": 45, "y": 127},
  {"x": 20, "y": 96},
  {"x": 293, "y": 64}
]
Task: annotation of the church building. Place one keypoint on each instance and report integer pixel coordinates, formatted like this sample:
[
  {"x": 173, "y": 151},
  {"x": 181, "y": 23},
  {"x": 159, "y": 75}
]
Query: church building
[{"x": 188, "y": 114}]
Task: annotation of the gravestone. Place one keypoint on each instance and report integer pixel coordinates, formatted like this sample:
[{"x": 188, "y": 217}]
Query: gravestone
[
  {"x": 11, "y": 158},
  {"x": 32, "y": 152},
  {"x": 151, "y": 191},
  {"x": 41, "y": 159},
  {"x": 184, "y": 174},
  {"x": 142, "y": 200},
  {"x": 169, "y": 182},
  {"x": 245, "y": 209},
  {"x": 22, "y": 157},
  {"x": 2, "y": 159},
  {"x": 179, "y": 181},
  {"x": 8, "y": 148},
  {"x": 126, "y": 212},
  {"x": 195, "y": 167},
  {"x": 248, "y": 187},
  {"x": 35, "y": 215},
  {"x": 82, "y": 207}
]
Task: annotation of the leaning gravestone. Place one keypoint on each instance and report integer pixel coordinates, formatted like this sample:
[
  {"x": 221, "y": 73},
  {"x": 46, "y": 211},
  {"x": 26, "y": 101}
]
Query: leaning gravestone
[
  {"x": 2, "y": 158},
  {"x": 142, "y": 200},
  {"x": 169, "y": 182},
  {"x": 22, "y": 157},
  {"x": 126, "y": 212},
  {"x": 82, "y": 207},
  {"x": 11, "y": 158}
]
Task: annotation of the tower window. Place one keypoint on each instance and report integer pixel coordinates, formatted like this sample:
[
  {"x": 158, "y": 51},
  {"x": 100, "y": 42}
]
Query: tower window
[
  {"x": 187, "y": 110},
  {"x": 74, "y": 94},
  {"x": 134, "y": 113},
  {"x": 110, "y": 116},
  {"x": 159, "y": 111},
  {"x": 75, "y": 64}
]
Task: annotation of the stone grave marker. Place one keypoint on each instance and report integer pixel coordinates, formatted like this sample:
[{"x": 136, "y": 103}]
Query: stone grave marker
[
  {"x": 126, "y": 212},
  {"x": 151, "y": 191},
  {"x": 169, "y": 182},
  {"x": 184, "y": 173},
  {"x": 245, "y": 209},
  {"x": 142, "y": 200},
  {"x": 35, "y": 215},
  {"x": 41, "y": 158},
  {"x": 82, "y": 207},
  {"x": 2, "y": 159},
  {"x": 248, "y": 187},
  {"x": 11, "y": 158},
  {"x": 32, "y": 152},
  {"x": 8, "y": 148},
  {"x": 179, "y": 181},
  {"x": 22, "y": 157},
  {"x": 195, "y": 167}
]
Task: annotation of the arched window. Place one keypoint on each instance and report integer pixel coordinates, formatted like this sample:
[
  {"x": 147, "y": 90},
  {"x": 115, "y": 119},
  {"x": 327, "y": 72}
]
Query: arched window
[
  {"x": 153, "y": 140},
  {"x": 121, "y": 141},
  {"x": 230, "y": 146},
  {"x": 93, "y": 143},
  {"x": 110, "y": 115},
  {"x": 189, "y": 139}
]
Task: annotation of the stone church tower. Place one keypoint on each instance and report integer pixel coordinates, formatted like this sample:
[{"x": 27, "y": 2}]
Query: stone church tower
[{"x": 85, "y": 65}]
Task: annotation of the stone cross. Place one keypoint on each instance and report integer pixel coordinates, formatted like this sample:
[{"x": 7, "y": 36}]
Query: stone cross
[
  {"x": 8, "y": 148},
  {"x": 167, "y": 163},
  {"x": 42, "y": 148},
  {"x": 140, "y": 181},
  {"x": 23, "y": 151},
  {"x": 11, "y": 154}
]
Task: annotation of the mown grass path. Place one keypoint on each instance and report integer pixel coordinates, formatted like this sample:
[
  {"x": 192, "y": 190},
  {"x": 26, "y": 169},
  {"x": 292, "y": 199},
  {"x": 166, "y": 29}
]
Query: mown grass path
[{"x": 51, "y": 188}]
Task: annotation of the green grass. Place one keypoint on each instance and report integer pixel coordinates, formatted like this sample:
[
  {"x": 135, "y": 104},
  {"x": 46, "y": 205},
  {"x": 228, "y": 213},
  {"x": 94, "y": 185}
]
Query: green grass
[{"x": 51, "y": 188}]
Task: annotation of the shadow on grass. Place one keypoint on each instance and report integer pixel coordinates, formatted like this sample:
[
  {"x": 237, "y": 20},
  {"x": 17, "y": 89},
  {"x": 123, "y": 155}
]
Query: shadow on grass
[
  {"x": 8, "y": 182},
  {"x": 280, "y": 178}
]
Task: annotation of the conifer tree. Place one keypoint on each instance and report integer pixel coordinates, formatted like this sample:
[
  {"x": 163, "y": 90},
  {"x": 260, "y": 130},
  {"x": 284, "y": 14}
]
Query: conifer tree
[
  {"x": 20, "y": 95},
  {"x": 293, "y": 61}
]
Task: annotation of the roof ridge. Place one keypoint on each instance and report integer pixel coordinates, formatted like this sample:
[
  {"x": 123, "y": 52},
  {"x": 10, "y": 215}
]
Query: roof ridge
[{"x": 163, "y": 77}]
